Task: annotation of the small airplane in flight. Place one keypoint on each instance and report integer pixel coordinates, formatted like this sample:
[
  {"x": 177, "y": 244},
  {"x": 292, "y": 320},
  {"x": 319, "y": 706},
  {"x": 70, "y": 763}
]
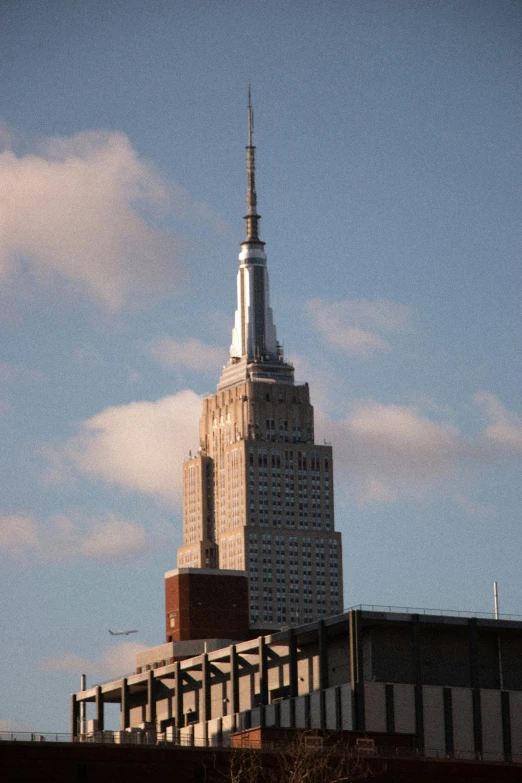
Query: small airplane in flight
[{"x": 121, "y": 633}]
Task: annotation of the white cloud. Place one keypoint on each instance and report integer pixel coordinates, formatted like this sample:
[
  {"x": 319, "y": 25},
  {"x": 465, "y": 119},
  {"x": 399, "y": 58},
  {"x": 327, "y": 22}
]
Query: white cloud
[
  {"x": 194, "y": 354},
  {"x": 383, "y": 452},
  {"x": 354, "y": 325},
  {"x": 118, "y": 659},
  {"x": 108, "y": 536},
  {"x": 373, "y": 491},
  {"x": 504, "y": 430},
  {"x": 87, "y": 356},
  {"x": 140, "y": 446},
  {"x": 471, "y": 508},
  {"x": 18, "y": 535},
  {"x": 386, "y": 442},
  {"x": 75, "y": 211},
  {"x": 326, "y": 388},
  {"x": 17, "y": 373},
  {"x": 74, "y": 536}
]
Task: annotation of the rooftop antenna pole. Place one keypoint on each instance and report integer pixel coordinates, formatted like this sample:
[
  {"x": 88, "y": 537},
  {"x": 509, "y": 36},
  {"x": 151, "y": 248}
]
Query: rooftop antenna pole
[
  {"x": 251, "y": 217},
  {"x": 83, "y": 705},
  {"x": 499, "y": 648},
  {"x": 250, "y": 117}
]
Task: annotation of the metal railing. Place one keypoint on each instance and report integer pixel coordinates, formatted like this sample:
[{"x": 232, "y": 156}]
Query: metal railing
[
  {"x": 435, "y": 612},
  {"x": 34, "y": 736},
  {"x": 114, "y": 679},
  {"x": 130, "y": 737}
]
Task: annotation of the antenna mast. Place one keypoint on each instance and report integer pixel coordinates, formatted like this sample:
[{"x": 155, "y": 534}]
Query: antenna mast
[{"x": 251, "y": 217}]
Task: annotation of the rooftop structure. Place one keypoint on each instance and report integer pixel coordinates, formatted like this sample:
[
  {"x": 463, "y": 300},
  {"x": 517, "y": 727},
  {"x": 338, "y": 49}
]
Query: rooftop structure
[
  {"x": 205, "y": 603},
  {"x": 453, "y": 683}
]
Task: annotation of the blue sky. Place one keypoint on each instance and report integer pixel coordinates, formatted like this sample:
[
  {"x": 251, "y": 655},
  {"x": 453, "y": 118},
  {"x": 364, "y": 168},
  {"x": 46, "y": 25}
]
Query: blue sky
[{"x": 389, "y": 182}]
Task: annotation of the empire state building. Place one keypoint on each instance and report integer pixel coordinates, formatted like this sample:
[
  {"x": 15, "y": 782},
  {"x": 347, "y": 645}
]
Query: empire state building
[{"x": 258, "y": 496}]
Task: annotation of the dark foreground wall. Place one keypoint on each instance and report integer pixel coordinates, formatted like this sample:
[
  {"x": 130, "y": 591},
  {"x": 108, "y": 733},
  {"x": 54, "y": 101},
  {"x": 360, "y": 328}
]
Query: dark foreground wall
[{"x": 22, "y": 762}]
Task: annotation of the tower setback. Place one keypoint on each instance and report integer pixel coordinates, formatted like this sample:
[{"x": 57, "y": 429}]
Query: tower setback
[{"x": 258, "y": 496}]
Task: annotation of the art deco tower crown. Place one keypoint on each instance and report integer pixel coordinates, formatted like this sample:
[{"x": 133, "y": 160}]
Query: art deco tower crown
[{"x": 255, "y": 352}]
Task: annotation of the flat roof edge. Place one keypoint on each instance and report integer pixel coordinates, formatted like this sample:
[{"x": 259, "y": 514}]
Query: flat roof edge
[{"x": 205, "y": 571}]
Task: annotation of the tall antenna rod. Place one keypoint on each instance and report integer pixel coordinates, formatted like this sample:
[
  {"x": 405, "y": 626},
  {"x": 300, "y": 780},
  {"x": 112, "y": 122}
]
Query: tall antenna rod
[
  {"x": 499, "y": 646},
  {"x": 83, "y": 705},
  {"x": 250, "y": 117},
  {"x": 251, "y": 217}
]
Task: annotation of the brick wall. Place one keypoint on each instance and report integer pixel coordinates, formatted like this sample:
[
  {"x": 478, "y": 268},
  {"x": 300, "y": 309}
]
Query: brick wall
[{"x": 206, "y": 606}]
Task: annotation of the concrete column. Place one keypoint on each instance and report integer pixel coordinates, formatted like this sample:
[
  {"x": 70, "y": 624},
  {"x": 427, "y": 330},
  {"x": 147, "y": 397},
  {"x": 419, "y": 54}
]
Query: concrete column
[
  {"x": 124, "y": 705},
  {"x": 323, "y": 655},
  {"x": 75, "y": 715},
  {"x": 83, "y": 723},
  {"x": 150, "y": 710},
  {"x": 277, "y": 714},
  {"x": 263, "y": 679},
  {"x": 234, "y": 679},
  {"x": 292, "y": 662},
  {"x": 506, "y": 725},
  {"x": 448, "y": 720},
  {"x": 417, "y": 673},
  {"x": 308, "y": 711},
  {"x": 98, "y": 698},
  {"x": 389, "y": 696},
  {"x": 475, "y": 683},
  {"x": 323, "y": 671},
  {"x": 204, "y": 713},
  {"x": 178, "y": 697},
  {"x": 292, "y": 673},
  {"x": 338, "y": 709},
  {"x": 356, "y": 669}
]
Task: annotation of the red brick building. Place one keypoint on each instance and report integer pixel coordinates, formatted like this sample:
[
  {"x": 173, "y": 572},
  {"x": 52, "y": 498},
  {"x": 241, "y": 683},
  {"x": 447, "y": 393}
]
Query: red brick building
[{"x": 206, "y": 604}]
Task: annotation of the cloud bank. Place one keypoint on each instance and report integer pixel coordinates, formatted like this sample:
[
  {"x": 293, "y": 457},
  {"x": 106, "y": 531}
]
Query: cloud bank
[
  {"x": 383, "y": 452},
  {"x": 140, "y": 446},
  {"x": 64, "y": 537},
  {"x": 80, "y": 211},
  {"x": 191, "y": 354},
  {"x": 17, "y": 373},
  {"x": 504, "y": 430},
  {"x": 356, "y": 326},
  {"x": 119, "y": 658}
]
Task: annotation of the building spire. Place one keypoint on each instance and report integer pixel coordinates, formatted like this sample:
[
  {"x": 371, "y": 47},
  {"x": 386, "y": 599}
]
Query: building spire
[
  {"x": 250, "y": 117},
  {"x": 251, "y": 217},
  {"x": 255, "y": 353}
]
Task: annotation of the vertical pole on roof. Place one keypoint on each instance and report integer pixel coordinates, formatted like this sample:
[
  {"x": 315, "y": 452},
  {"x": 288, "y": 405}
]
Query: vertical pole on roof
[{"x": 83, "y": 686}]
